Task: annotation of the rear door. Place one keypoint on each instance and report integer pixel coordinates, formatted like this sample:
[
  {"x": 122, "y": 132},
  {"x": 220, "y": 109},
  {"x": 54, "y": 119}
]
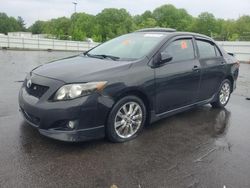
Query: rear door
[
  {"x": 212, "y": 68},
  {"x": 177, "y": 81}
]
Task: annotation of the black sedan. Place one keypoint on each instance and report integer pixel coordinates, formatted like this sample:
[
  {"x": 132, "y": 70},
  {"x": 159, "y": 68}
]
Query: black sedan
[{"x": 118, "y": 87}]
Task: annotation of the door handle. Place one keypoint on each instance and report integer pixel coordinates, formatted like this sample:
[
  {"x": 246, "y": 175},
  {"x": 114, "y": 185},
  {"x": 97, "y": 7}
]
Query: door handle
[{"x": 196, "y": 68}]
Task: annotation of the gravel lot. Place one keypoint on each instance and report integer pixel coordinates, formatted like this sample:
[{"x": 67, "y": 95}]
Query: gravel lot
[{"x": 203, "y": 147}]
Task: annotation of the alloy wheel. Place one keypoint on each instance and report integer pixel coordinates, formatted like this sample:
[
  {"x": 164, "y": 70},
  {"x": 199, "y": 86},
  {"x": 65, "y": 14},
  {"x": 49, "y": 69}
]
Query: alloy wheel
[
  {"x": 224, "y": 93},
  {"x": 128, "y": 119}
]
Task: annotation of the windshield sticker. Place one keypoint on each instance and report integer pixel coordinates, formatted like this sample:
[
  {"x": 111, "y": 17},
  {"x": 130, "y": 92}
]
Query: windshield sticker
[
  {"x": 183, "y": 44},
  {"x": 126, "y": 42},
  {"x": 153, "y": 35}
]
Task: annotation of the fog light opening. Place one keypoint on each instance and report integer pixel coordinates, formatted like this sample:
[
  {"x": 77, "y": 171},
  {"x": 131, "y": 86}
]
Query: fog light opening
[{"x": 72, "y": 124}]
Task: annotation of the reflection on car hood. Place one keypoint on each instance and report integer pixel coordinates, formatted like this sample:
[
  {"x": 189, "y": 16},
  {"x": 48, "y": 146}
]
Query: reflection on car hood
[{"x": 80, "y": 68}]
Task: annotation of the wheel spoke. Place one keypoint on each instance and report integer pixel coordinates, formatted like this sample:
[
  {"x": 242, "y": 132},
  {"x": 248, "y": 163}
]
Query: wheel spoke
[
  {"x": 131, "y": 129},
  {"x": 119, "y": 123},
  {"x": 136, "y": 117},
  {"x": 119, "y": 114},
  {"x": 124, "y": 108},
  {"x": 224, "y": 87},
  {"x": 121, "y": 128},
  {"x": 131, "y": 106},
  {"x": 138, "y": 122},
  {"x": 125, "y": 132},
  {"x": 135, "y": 110}
]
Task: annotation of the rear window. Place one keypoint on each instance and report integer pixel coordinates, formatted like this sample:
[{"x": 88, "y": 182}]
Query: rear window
[{"x": 207, "y": 49}]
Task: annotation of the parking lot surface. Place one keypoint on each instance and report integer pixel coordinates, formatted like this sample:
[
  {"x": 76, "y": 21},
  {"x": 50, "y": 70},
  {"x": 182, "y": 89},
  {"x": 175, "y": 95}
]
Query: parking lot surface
[{"x": 203, "y": 147}]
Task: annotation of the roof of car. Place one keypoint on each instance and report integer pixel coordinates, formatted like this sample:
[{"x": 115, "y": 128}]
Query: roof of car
[
  {"x": 156, "y": 29},
  {"x": 170, "y": 31}
]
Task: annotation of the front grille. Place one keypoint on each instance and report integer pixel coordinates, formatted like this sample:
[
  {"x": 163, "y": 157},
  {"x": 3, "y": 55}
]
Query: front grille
[
  {"x": 30, "y": 117},
  {"x": 36, "y": 90}
]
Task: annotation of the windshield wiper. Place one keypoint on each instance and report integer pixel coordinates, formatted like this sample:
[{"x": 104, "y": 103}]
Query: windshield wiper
[{"x": 103, "y": 56}]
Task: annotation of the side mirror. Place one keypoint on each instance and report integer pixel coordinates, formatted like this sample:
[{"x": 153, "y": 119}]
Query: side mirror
[
  {"x": 232, "y": 54},
  {"x": 165, "y": 57}
]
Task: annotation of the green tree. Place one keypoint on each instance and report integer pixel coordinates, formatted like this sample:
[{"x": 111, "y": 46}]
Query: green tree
[
  {"x": 82, "y": 25},
  {"x": 149, "y": 22},
  {"x": 243, "y": 27},
  {"x": 21, "y": 23},
  {"x": 226, "y": 30},
  {"x": 205, "y": 24},
  {"x": 169, "y": 16},
  {"x": 113, "y": 22},
  {"x": 78, "y": 34},
  {"x": 58, "y": 27},
  {"x": 38, "y": 27},
  {"x": 8, "y": 24},
  {"x": 4, "y": 27},
  {"x": 145, "y": 20}
]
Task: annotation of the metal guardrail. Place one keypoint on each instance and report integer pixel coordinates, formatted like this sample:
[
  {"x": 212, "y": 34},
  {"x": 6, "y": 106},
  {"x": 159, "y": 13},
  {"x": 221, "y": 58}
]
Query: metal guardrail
[
  {"x": 241, "y": 49},
  {"x": 43, "y": 44}
]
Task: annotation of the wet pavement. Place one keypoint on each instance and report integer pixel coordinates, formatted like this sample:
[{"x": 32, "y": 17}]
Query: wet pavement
[{"x": 203, "y": 147}]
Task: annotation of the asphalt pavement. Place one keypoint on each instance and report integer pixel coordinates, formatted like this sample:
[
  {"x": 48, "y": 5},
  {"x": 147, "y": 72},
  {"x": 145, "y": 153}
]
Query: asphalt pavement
[{"x": 203, "y": 147}]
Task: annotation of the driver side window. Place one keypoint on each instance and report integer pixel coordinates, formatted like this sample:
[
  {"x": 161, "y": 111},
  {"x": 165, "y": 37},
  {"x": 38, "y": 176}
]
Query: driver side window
[{"x": 180, "y": 50}]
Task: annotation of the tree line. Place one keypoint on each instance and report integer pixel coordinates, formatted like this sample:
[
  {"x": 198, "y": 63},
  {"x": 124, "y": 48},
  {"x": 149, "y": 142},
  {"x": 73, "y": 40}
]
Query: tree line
[{"x": 112, "y": 22}]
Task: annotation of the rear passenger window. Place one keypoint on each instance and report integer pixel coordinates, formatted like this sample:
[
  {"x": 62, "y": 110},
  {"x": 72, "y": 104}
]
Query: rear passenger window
[
  {"x": 181, "y": 50},
  {"x": 206, "y": 49}
]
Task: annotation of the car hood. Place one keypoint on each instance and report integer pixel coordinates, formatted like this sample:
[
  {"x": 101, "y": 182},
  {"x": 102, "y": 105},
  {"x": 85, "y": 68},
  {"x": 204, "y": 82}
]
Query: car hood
[{"x": 80, "y": 69}]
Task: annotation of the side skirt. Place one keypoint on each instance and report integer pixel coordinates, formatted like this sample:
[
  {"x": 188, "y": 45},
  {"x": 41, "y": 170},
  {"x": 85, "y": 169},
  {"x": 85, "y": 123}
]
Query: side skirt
[{"x": 155, "y": 117}]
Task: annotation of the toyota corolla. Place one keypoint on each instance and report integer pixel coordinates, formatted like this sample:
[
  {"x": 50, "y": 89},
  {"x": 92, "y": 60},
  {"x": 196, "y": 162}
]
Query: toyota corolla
[{"x": 118, "y": 87}]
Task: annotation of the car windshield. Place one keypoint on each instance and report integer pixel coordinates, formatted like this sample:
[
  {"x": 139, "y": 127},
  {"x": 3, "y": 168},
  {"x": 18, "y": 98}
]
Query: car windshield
[{"x": 127, "y": 47}]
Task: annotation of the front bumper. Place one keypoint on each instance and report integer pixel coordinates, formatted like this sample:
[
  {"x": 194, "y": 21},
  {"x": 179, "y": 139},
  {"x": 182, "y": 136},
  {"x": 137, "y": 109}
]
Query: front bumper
[
  {"x": 69, "y": 136},
  {"x": 50, "y": 118},
  {"x": 75, "y": 136}
]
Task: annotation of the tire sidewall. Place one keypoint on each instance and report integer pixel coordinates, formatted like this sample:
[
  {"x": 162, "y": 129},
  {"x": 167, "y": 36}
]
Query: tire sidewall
[{"x": 110, "y": 128}]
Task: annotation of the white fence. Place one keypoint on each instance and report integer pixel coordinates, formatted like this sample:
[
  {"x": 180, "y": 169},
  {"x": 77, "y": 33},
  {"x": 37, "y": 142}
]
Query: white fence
[
  {"x": 43, "y": 44},
  {"x": 240, "y": 49}
]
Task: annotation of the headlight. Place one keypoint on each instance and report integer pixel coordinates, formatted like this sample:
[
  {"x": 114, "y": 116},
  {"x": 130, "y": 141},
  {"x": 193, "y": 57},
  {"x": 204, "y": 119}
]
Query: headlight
[{"x": 72, "y": 91}]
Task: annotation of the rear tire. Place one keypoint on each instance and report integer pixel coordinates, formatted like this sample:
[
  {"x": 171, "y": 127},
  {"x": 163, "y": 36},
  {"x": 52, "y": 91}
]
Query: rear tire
[
  {"x": 223, "y": 95},
  {"x": 126, "y": 119}
]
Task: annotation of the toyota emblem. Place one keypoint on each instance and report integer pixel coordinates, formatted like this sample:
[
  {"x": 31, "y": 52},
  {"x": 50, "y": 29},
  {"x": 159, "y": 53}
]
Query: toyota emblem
[{"x": 29, "y": 83}]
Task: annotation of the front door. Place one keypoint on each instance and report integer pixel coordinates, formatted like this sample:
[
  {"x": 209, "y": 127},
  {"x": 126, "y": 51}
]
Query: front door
[{"x": 177, "y": 81}]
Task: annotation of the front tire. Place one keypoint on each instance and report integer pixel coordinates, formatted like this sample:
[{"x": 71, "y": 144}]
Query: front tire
[
  {"x": 223, "y": 95},
  {"x": 126, "y": 119}
]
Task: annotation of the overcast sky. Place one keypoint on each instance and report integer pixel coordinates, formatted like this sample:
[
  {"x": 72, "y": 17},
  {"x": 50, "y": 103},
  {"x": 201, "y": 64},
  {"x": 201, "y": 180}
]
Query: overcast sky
[{"x": 32, "y": 10}]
